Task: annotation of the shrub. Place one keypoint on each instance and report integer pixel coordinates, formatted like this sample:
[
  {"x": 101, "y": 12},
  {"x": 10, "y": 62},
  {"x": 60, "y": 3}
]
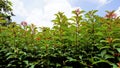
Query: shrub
[{"x": 85, "y": 40}]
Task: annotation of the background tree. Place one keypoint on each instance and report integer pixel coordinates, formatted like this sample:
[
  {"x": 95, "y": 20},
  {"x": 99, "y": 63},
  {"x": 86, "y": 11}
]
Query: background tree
[{"x": 5, "y": 12}]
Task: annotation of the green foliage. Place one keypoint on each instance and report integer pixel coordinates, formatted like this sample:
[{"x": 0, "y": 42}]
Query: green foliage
[
  {"x": 5, "y": 12},
  {"x": 82, "y": 41}
]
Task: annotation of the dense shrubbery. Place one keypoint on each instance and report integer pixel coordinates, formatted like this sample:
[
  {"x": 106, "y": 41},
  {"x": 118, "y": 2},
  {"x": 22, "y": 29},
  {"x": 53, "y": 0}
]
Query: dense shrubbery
[{"x": 85, "y": 40}]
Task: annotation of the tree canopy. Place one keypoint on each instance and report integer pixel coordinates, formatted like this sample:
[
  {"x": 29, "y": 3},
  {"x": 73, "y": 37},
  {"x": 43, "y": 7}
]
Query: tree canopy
[{"x": 5, "y": 12}]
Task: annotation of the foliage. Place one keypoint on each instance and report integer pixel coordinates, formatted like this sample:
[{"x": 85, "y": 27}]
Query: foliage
[
  {"x": 5, "y": 12},
  {"x": 82, "y": 41}
]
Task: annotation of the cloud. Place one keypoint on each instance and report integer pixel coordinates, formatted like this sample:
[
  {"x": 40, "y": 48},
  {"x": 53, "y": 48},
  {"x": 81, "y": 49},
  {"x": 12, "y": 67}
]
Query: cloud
[
  {"x": 35, "y": 16},
  {"x": 53, "y": 6},
  {"x": 97, "y": 3},
  {"x": 18, "y": 8},
  {"x": 103, "y": 2},
  {"x": 118, "y": 11},
  {"x": 38, "y": 16}
]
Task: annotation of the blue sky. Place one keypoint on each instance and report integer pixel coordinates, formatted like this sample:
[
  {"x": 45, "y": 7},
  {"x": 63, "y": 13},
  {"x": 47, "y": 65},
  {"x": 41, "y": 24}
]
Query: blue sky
[
  {"x": 41, "y": 12},
  {"x": 102, "y": 7}
]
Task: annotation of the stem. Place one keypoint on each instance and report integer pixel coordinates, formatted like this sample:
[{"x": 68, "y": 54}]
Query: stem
[
  {"x": 1, "y": 36},
  {"x": 60, "y": 32},
  {"x": 26, "y": 42},
  {"x": 77, "y": 26},
  {"x": 13, "y": 36},
  {"x": 93, "y": 30}
]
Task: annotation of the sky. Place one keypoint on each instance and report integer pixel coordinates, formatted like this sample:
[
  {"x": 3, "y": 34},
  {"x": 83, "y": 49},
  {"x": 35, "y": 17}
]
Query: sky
[{"x": 41, "y": 12}]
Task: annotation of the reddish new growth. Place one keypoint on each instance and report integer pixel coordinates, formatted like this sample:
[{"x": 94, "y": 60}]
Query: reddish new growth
[
  {"x": 111, "y": 15},
  {"x": 24, "y": 23},
  {"x": 118, "y": 64},
  {"x": 77, "y": 11},
  {"x": 109, "y": 40},
  {"x": 37, "y": 38}
]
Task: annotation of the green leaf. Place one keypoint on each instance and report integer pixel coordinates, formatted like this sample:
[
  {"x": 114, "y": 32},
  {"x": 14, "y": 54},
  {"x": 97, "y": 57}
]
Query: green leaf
[
  {"x": 104, "y": 41},
  {"x": 103, "y": 53},
  {"x": 11, "y": 56},
  {"x": 114, "y": 65},
  {"x": 9, "y": 65},
  {"x": 116, "y": 45},
  {"x": 71, "y": 59},
  {"x": 104, "y": 47},
  {"x": 99, "y": 33},
  {"x": 26, "y": 62},
  {"x": 80, "y": 57},
  {"x": 58, "y": 65},
  {"x": 118, "y": 49},
  {"x": 105, "y": 61},
  {"x": 107, "y": 56},
  {"x": 67, "y": 67},
  {"x": 118, "y": 58},
  {"x": 32, "y": 66},
  {"x": 114, "y": 40},
  {"x": 9, "y": 53}
]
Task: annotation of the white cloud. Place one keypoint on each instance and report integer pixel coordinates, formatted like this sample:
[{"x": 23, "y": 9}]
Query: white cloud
[
  {"x": 118, "y": 11},
  {"x": 41, "y": 17},
  {"x": 18, "y": 8},
  {"x": 103, "y": 2},
  {"x": 35, "y": 16},
  {"x": 98, "y": 3},
  {"x": 53, "y": 6}
]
